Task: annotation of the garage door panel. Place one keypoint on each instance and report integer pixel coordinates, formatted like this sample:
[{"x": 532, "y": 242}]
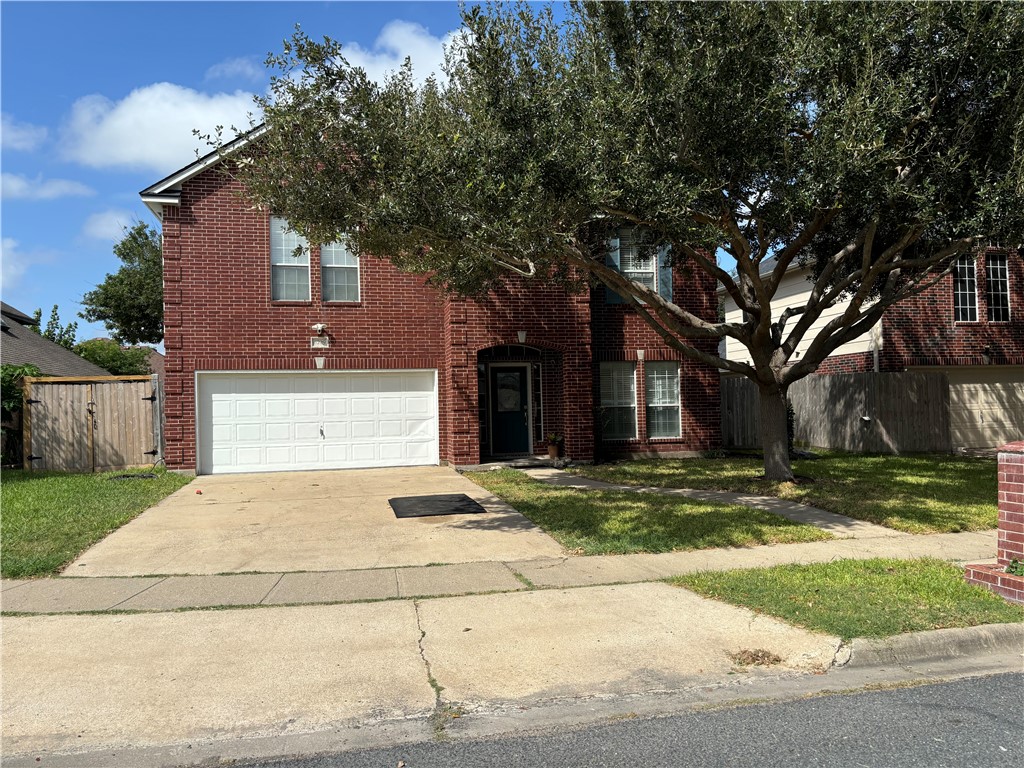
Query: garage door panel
[
  {"x": 363, "y": 429},
  {"x": 306, "y": 407},
  {"x": 335, "y": 406},
  {"x": 362, "y": 406},
  {"x": 269, "y": 421},
  {"x": 249, "y": 433}
]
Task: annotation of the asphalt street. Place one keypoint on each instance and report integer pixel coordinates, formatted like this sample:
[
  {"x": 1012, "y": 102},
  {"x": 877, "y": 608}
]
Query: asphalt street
[{"x": 969, "y": 722}]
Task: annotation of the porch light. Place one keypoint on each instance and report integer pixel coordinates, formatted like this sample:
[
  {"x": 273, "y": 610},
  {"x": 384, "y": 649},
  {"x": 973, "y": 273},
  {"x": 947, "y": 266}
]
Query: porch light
[{"x": 522, "y": 336}]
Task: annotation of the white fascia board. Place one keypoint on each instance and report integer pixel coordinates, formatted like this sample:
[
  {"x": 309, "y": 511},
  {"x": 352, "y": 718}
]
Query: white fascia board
[{"x": 167, "y": 190}]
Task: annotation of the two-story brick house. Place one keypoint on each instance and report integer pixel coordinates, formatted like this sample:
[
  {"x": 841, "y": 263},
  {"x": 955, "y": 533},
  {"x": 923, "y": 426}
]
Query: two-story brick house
[
  {"x": 969, "y": 325},
  {"x": 281, "y": 358}
]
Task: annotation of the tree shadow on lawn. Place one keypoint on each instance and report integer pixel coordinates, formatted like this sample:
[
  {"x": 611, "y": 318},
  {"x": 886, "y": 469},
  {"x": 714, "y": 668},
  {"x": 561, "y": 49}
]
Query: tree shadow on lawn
[
  {"x": 620, "y": 522},
  {"x": 924, "y": 493}
]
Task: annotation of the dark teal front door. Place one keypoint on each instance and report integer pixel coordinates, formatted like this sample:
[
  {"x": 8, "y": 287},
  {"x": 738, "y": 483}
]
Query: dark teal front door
[{"x": 510, "y": 425}]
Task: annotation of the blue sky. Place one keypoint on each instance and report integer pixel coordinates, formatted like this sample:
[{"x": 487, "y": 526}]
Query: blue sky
[{"x": 99, "y": 101}]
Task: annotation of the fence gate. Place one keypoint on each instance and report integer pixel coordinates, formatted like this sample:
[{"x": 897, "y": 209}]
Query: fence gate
[{"x": 94, "y": 424}]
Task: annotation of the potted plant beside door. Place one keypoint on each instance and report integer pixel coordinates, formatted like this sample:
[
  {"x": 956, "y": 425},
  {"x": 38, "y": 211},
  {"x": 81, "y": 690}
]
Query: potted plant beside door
[{"x": 554, "y": 445}]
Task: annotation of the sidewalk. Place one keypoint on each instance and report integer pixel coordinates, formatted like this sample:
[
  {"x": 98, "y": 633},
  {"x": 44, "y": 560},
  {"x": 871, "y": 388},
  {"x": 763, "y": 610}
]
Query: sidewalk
[{"x": 167, "y": 593}]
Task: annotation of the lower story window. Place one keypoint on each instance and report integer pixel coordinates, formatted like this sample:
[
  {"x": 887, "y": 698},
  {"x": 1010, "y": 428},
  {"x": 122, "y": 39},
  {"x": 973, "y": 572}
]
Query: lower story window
[
  {"x": 618, "y": 401},
  {"x": 662, "y": 399}
]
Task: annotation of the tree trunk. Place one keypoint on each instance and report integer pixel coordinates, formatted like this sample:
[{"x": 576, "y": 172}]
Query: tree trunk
[{"x": 774, "y": 436}]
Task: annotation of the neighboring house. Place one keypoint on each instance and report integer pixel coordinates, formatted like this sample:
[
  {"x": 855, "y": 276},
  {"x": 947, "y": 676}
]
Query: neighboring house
[
  {"x": 21, "y": 345},
  {"x": 969, "y": 326},
  {"x": 333, "y": 359}
]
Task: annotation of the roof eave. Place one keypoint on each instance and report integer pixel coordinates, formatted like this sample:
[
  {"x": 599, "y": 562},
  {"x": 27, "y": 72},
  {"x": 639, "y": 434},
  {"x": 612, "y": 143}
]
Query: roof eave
[{"x": 167, "y": 191}]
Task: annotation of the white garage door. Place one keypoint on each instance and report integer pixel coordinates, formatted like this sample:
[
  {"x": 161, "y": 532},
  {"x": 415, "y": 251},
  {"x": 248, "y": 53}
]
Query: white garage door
[
  {"x": 265, "y": 422},
  {"x": 986, "y": 406}
]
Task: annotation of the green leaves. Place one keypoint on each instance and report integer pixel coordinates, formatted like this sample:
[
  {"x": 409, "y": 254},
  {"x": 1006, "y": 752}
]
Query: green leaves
[{"x": 130, "y": 301}]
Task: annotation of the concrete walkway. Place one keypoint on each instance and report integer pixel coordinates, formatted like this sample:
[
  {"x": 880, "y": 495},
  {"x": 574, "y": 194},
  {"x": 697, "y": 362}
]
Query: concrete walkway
[
  {"x": 167, "y": 593},
  {"x": 839, "y": 526}
]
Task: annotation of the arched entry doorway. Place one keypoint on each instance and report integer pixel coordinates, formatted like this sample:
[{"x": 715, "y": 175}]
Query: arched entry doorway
[{"x": 519, "y": 397}]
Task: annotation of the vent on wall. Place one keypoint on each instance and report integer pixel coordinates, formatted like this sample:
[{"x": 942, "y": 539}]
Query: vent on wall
[{"x": 319, "y": 342}]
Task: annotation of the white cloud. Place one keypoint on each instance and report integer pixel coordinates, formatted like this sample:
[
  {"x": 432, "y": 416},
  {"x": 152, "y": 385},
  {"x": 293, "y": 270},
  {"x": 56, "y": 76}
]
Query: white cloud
[
  {"x": 23, "y": 136},
  {"x": 108, "y": 225},
  {"x": 242, "y": 68},
  {"x": 15, "y": 262},
  {"x": 396, "y": 41},
  {"x": 16, "y": 187},
  {"x": 151, "y": 128}
]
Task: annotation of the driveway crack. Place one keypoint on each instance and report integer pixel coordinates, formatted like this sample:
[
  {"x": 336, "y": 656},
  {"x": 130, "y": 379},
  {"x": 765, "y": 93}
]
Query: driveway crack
[{"x": 443, "y": 712}]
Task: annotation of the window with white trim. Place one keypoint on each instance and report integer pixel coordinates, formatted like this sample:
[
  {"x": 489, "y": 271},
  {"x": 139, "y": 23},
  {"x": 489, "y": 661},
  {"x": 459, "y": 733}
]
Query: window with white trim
[
  {"x": 618, "y": 401},
  {"x": 289, "y": 263},
  {"x": 662, "y": 399},
  {"x": 339, "y": 273},
  {"x": 638, "y": 260},
  {"x": 965, "y": 290},
  {"x": 634, "y": 253},
  {"x": 997, "y": 287}
]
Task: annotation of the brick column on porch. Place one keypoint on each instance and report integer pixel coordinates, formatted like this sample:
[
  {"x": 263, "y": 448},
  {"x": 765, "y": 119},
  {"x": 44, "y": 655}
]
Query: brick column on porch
[{"x": 1010, "y": 546}]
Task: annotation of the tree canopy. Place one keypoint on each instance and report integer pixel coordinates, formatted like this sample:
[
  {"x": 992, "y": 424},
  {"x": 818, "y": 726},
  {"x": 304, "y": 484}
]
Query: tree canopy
[
  {"x": 112, "y": 357},
  {"x": 130, "y": 302},
  {"x": 874, "y": 142},
  {"x": 55, "y": 331}
]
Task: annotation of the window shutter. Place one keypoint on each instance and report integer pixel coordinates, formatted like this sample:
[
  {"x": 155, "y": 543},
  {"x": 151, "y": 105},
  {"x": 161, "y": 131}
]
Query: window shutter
[
  {"x": 665, "y": 272},
  {"x": 612, "y": 260}
]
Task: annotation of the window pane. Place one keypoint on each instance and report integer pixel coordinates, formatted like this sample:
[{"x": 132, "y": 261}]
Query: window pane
[
  {"x": 337, "y": 255},
  {"x": 663, "y": 421},
  {"x": 340, "y": 283},
  {"x": 618, "y": 401},
  {"x": 638, "y": 260},
  {"x": 618, "y": 424},
  {"x": 662, "y": 388},
  {"x": 965, "y": 290},
  {"x": 289, "y": 283},
  {"x": 997, "y": 287},
  {"x": 283, "y": 244}
]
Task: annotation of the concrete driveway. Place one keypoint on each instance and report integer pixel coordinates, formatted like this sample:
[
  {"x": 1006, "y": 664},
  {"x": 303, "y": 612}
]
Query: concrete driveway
[{"x": 311, "y": 521}]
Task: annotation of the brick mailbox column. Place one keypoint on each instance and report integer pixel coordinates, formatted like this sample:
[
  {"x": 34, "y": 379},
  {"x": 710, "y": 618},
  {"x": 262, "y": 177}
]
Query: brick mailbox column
[{"x": 1011, "y": 528}]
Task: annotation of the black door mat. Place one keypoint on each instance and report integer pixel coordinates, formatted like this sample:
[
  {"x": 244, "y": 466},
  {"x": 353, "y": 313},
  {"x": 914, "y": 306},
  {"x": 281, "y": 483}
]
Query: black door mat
[{"x": 428, "y": 506}]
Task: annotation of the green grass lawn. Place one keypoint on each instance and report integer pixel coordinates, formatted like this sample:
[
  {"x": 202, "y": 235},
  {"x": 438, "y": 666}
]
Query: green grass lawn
[
  {"x": 48, "y": 518},
  {"x": 917, "y": 494},
  {"x": 619, "y": 522},
  {"x": 860, "y": 598}
]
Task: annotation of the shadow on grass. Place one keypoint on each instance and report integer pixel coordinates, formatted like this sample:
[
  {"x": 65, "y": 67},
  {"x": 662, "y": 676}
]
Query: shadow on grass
[
  {"x": 922, "y": 493},
  {"x": 619, "y": 522}
]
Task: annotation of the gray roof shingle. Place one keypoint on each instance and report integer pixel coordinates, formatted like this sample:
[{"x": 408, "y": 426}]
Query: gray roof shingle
[{"x": 20, "y": 345}]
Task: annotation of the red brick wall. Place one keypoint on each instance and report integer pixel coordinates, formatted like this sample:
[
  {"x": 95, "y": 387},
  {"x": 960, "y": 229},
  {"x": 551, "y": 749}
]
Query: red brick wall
[
  {"x": 921, "y": 330},
  {"x": 1011, "y": 503},
  {"x": 618, "y": 332},
  {"x": 218, "y": 316},
  {"x": 1011, "y": 529}
]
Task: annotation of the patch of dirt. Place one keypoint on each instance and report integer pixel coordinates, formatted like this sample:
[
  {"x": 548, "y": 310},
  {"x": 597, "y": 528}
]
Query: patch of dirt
[{"x": 758, "y": 657}]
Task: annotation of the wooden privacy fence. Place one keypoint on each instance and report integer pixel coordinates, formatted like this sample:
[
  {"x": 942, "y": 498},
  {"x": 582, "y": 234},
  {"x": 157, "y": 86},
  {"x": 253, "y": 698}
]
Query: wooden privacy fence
[
  {"x": 859, "y": 412},
  {"x": 93, "y": 424}
]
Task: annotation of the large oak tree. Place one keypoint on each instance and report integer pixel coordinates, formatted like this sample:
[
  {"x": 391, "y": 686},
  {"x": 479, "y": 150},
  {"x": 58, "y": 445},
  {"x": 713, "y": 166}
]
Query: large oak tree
[{"x": 875, "y": 142}]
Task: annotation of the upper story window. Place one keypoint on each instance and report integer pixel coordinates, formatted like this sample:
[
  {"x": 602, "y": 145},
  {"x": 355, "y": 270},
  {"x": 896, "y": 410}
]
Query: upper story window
[
  {"x": 965, "y": 290},
  {"x": 339, "y": 273},
  {"x": 662, "y": 399},
  {"x": 997, "y": 287},
  {"x": 618, "y": 401},
  {"x": 633, "y": 252},
  {"x": 289, "y": 263}
]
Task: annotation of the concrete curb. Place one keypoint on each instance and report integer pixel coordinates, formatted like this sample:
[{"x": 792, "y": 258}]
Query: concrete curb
[{"x": 933, "y": 645}]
